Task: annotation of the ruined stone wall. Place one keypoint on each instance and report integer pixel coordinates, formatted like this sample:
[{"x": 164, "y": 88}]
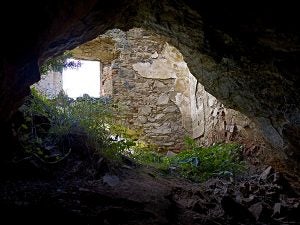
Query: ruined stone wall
[
  {"x": 146, "y": 97},
  {"x": 50, "y": 85},
  {"x": 106, "y": 83},
  {"x": 156, "y": 92},
  {"x": 247, "y": 58},
  {"x": 160, "y": 96},
  {"x": 212, "y": 122}
]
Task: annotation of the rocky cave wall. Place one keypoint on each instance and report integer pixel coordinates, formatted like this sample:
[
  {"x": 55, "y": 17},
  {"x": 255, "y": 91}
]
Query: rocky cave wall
[{"x": 245, "y": 54}]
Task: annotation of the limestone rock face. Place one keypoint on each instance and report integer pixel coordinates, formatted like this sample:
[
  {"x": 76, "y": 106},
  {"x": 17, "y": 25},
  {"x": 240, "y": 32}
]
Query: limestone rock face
[{"x": 246, "y": 55}]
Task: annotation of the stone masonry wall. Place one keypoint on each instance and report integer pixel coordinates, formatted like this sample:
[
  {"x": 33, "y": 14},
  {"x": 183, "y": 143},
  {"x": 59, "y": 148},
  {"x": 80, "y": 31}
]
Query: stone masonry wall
[
  {"x": 152, "y": 84},
  {"x": 213, "y": 122},
  {"x": 161, "y": 96},
  {"x": 148, "y": 101},
  {"x": 50, "y": 85},
  {"x": 106, "y": 82}
]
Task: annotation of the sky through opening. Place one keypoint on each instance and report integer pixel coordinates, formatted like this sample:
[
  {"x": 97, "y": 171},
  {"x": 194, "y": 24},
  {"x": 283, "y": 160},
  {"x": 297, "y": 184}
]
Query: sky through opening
[{"x": 83, "y": 80}]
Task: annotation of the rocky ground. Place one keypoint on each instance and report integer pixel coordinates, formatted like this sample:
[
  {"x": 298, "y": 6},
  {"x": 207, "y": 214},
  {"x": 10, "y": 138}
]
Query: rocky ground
[{"x": 87, "y": 189}]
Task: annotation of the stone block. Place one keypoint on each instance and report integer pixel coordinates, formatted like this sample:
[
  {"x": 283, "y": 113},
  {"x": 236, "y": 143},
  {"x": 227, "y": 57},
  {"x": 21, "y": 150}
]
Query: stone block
[
  {"x": 170, "y": 109},
  {"x": 145, "y": 110},
  {"x": 163, "y": 99}
]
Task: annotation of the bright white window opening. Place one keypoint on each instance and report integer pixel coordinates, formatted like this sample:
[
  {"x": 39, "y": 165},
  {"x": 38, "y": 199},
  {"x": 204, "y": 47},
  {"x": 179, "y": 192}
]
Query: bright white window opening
[{"x": 83, "y": 80}]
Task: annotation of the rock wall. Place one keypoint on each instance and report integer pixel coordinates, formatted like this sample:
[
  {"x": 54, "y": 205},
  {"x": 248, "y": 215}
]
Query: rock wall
[
  {"x": 106, "y": 81},
  {"x": 212, "y": 122},
  {"x": 143, "y": 84},
  {"x": 50, "y": 85}
]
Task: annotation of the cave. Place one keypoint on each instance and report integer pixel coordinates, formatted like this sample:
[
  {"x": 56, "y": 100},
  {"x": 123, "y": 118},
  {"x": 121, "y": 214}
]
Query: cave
[
  {"x": 149, "y": 79},
  {"x": 245, "y": 54}
]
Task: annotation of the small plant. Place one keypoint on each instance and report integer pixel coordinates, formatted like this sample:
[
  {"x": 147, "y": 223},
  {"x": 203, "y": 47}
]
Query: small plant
[
  {"x": 43, "y": 122},
  {"x": 201, "y": 163},
  {"x": 125, "y": 132},
  {"x": 147, "y": 154}
]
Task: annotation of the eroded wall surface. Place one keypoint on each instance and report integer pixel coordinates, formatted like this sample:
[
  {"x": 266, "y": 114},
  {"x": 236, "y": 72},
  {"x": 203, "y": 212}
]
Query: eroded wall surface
[
  {"x": 152, "y": 83},
  {"x": 50, "y": 85}
]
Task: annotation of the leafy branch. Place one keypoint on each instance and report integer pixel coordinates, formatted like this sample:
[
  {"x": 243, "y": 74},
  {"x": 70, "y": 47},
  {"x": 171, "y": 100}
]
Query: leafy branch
[{"x": 58, "y": 63}]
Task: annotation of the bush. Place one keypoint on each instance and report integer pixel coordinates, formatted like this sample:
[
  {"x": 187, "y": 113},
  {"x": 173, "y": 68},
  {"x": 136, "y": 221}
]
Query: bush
[
  {"x": 49, "y": 124},
  {"x": 94, "y": 117},
  {"x": 36, "y": 130}
]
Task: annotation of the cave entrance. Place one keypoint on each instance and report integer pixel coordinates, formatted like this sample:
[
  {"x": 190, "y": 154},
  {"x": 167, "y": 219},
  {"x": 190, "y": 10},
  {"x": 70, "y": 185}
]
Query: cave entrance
[
  {"x": 83, "y": 80},
  {"x": 161, "y": 109},
  {"x": 157, "y": 94},
  {"x": 150, "y": 80}
]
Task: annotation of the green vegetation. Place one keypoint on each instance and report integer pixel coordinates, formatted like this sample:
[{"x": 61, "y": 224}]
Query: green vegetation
[
  {"x": 50, "y": 125},
  {"x": 200, "y": 163},
  {"x": 58, "y": 63},
  {"x": 197, "y": 163},
  {"x": 49, "y": 128}
]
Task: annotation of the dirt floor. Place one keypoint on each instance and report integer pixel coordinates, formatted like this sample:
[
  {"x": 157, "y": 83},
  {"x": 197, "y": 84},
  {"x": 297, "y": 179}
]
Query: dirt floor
[{"x": 90, "y": 190}]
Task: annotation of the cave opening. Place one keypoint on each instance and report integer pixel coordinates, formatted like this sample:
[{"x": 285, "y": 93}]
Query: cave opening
[
  {"x": 149, "y": 79},
  {"x": 159, "y": 108},
  {"x": 246, "y": 63}
]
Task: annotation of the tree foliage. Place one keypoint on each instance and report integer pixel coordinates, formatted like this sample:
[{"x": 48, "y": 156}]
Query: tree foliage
[{"x": 58, "y": 63}]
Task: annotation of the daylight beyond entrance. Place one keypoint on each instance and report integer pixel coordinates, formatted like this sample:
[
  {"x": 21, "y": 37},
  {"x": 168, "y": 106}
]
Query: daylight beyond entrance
[{"x": 83, "y": 80}]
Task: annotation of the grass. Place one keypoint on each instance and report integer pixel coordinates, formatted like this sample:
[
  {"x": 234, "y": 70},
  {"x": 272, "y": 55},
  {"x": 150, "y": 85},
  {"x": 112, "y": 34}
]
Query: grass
[
  {"x": 196, "y": 163},
  {"x": 201, "y": 163}
]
